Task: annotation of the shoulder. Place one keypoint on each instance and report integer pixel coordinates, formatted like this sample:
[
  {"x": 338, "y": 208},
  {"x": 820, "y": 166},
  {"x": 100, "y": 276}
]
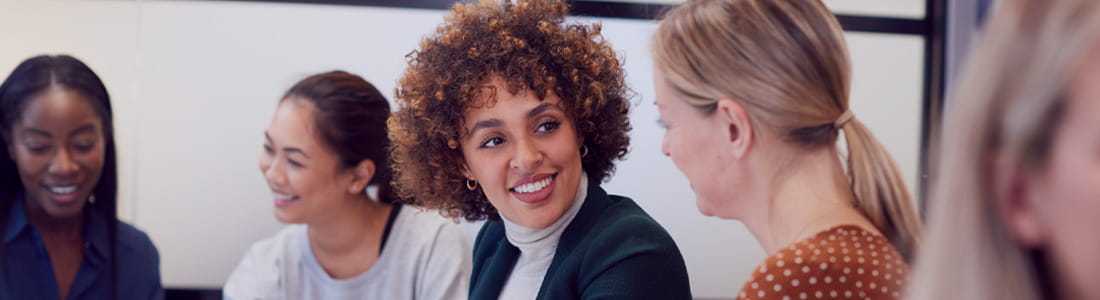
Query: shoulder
[
  {"x": 622, "y": 233},
  {"x": 841, "y": 262},
  {"x": 258, "y": 273},
  {"x": 276, "y": 247},
  {"x": 136, "y": 246},
  {"x": 624, "y": 224},
  {"x": 424, "y": 231},
  {"x": 425, "y": 226}
]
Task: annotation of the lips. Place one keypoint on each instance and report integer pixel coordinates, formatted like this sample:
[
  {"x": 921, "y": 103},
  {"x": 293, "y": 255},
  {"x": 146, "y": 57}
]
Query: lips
[
  {"x": 284, "y": 200},
  {"x": 535, "y": 188}
]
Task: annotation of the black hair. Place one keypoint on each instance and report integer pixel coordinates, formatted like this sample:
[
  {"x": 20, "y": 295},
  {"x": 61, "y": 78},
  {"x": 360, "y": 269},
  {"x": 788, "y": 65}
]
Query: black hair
[
  {"x": 351, "y": 115},
  {"x": 31, "y": 77}
]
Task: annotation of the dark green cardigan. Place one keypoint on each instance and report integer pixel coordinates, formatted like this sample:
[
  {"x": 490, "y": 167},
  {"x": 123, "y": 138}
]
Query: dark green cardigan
[{"x": 611, "y": 250}]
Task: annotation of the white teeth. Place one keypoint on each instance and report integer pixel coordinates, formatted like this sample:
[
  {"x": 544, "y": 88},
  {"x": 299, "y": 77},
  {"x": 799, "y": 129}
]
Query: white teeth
[
  {"x": 68, "y": 189},
  {"x": 281, "y": 197},
  {"x": 534, "y": 186}
]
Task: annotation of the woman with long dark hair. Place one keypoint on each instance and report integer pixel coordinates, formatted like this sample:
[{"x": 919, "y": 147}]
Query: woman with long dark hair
[
  {"x": 324, "y": 157},
  {"x": 58, "y": 185}
]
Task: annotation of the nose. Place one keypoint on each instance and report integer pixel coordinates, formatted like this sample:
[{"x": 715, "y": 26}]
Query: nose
[
  {"x": 63, "y": 163},
  {"x": 527, "y": 155},
  {"x": 272, "y": 170}
]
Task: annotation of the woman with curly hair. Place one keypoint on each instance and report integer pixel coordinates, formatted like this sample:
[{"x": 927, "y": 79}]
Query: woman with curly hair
[
  {"x": 754, "y": 96},
  {"x": 508, "y": 114}
]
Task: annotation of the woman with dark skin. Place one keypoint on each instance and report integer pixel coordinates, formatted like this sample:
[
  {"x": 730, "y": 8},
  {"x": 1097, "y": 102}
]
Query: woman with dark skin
[
  {"x": 58, "y": 186},
  {"x": 509, "y": 114}
]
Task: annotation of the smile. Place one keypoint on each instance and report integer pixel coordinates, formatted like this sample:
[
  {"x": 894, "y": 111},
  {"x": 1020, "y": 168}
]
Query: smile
[
  {"x": 282, "y": 200},
  {"x": 533, "y": 187},
  {"x": 61, "y": 189}
]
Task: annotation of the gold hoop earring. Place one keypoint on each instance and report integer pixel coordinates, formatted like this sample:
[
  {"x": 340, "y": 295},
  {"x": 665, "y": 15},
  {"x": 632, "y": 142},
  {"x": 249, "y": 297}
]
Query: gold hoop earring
[
  {"x": 584, "y": 150},
  {"x": 471, "y": 184}
]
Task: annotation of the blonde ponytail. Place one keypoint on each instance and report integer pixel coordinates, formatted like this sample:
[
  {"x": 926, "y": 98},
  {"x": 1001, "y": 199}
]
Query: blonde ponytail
[
  {"x": 879, "y": 188},
  {"x": 786, "y": 63}
]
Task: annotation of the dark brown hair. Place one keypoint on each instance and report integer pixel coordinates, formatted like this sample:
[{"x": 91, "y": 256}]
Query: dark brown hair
[
  {"x": 527, "y": 45},
  {"x": 351, "y": 115}
]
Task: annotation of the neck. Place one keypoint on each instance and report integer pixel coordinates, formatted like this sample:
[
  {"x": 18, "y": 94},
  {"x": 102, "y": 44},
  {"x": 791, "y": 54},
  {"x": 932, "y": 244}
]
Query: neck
[
  {"x": 807, "y": 195},
  {"x": 50, "y": 225},
  {"x": 355, "y": 229}
]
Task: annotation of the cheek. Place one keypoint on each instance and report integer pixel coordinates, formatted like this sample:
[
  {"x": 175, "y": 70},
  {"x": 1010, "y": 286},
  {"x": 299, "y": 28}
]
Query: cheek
[
  {"x": 300, "y": 182},
  {"x": 95, "y": 159},
  {"x": 30, "y": 165},
  {"x": 264, "y": 162}
]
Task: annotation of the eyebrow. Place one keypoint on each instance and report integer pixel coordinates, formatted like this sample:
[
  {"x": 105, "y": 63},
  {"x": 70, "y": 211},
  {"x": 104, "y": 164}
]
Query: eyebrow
[
  {"x": 497, "y": 123},
  {"x": 487, "y": 124},
  {"x": 540, "y": 109},
  {"x": 36, "y": 131},
  {"x": 287, "y": 149}
]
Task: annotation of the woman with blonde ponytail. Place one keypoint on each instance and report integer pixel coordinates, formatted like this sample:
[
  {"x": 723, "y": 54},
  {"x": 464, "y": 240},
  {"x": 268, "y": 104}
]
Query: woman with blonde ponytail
[
  {"x": 1015, "y": 203},
  {"x": 754, "y": 96}
]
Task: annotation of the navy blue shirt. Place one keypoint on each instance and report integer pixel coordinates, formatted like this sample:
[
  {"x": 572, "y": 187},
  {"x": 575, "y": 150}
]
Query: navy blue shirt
[{"x": 31, "y": 274}]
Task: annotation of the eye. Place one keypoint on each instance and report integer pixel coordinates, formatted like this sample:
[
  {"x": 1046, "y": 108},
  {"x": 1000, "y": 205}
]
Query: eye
[
  {"x": 492, "y": 142},
  {"x": 85, "y": 146},
  {"x": 548, "y": 126},
  {"x": 268, "y": 149},
  {"x": 36, "y": 149},
  {"x": 294, "y": 163},
  {"x": 662, "y": 124}
]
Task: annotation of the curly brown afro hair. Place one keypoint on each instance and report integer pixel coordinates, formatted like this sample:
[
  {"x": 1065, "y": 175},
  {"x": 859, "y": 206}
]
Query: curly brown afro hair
[{"x": 528, "y": 45}]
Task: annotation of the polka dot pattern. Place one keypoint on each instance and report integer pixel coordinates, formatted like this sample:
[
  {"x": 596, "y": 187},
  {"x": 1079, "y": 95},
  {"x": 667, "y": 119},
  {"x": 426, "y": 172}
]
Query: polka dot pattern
[{"x": 845, "y": 262}]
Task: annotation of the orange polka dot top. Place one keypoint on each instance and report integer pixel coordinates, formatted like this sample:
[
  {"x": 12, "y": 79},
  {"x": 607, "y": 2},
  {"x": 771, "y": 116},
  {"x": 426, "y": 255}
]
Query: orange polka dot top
[{"x": 845, "y": 262}]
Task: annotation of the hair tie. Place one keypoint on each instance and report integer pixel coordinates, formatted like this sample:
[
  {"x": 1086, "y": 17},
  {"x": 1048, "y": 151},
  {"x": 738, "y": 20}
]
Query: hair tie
[{"x": 843, "y": 119}]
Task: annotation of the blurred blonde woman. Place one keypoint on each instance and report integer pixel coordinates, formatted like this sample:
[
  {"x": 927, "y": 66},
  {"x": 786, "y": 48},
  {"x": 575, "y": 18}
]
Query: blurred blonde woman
[
  {"x": 1016, "y": 205},
  {"x": 754, "y": 95}
]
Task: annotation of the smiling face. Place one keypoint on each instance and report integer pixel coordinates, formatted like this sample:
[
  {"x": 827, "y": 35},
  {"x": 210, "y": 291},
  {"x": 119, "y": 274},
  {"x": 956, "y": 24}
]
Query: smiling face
[
  {"x": 58, "y": 146},
  {"x": 694, "y": 142},
  {"x": 303, "y": 174},
  {"x": 525, "y": 155}
]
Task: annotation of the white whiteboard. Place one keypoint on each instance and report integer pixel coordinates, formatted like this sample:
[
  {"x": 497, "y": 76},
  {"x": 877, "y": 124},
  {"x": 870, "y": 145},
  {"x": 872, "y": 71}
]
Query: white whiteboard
[{"x": 195, "y": 83}]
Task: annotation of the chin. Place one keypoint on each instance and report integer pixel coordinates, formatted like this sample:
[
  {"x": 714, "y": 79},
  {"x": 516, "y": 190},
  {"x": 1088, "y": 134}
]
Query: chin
[{"x": 287, "y": 218}]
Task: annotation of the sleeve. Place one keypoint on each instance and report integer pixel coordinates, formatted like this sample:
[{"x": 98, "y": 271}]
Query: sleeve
[
  {"x": 255, "y": 277},
  {"x": 639, "y": 261},
  {"x": 446, "y": 268}
]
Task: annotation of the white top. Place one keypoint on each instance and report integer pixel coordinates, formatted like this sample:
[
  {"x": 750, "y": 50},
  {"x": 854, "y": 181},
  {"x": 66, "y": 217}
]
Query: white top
[
  {"x": 536, "y": 249},
  {"x": 425, "y": 257}
]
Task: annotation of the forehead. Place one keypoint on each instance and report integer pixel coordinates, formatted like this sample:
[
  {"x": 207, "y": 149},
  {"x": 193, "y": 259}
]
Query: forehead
[
  {"x": 294, "y": 124},
  {"x": 57, "y": 109},
  {"x": 497, "y": 102}
]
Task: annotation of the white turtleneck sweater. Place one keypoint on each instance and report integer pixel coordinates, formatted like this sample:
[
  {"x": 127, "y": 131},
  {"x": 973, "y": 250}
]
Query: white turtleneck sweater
[{"x": 536, "y": 249}]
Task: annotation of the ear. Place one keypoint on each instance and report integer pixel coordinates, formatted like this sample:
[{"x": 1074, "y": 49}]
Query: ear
[
  {"x": 1016, "y": 201},
  {"x": 363, "y": 173},
  {"x": 466, "y": 171},
  {"x": 738, "y": 129}
]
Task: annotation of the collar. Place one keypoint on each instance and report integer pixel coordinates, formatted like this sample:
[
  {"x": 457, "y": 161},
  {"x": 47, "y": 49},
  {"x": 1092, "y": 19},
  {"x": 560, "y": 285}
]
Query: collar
[{"x": 94, "y": 228}]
